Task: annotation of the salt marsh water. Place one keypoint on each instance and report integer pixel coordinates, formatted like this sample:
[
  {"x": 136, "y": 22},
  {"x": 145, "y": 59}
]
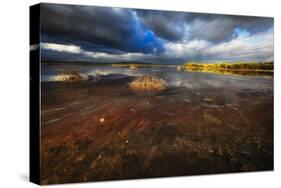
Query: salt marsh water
[{"x": 100, "y": 129}]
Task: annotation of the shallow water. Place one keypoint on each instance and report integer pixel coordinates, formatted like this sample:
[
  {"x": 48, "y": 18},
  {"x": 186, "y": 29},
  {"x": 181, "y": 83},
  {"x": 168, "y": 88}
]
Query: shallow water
[{"x": 202, "y": 123}]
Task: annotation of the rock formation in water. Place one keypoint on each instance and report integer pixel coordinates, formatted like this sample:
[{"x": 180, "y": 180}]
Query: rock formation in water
[
  {"x": 70, "y": 76},
  {"x": 147, "y": 83}
]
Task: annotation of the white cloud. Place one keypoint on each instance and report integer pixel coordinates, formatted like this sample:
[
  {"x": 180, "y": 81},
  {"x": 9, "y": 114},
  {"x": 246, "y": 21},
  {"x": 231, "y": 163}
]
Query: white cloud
[
  {"x": 126, "y": 56},
  {"x": 245, "y": 47},
  {"x": 186, "y": 49},
  {"x": 259, "y": 46},
  {"x": 61, "y": 48},
  {"x": 95, "y": 55}
]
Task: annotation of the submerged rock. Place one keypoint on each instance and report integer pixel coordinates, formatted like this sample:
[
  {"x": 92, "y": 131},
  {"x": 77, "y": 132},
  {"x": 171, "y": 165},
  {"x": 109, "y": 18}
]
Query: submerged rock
[
  {"x": 148, "y": 83},
  {"x": 187, "y": 100},
  {"x": 212, "y": 119},
  {"x": 208, "y": 99},
  {"x": 70, "y": 76}
]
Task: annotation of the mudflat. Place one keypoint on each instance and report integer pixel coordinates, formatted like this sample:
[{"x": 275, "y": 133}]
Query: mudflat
[{"x": 201, "y": 123}]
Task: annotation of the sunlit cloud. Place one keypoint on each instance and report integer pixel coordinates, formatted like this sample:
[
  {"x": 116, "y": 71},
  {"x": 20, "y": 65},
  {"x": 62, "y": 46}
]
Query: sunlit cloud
[
  {"x": 244, "y": 47},
  {"x": 61, "y": 48}
]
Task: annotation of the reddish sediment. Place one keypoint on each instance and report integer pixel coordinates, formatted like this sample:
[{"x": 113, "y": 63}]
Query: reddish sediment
[{"x": 104, "y": 132}]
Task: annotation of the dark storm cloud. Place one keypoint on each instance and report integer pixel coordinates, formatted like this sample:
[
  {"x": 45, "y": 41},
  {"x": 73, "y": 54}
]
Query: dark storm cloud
[
  {"x": 87, "y": 46},
  {"x": 221, "y": 28},
  {"x": 108, "y": 27},
  {"x": 211, "y": 27},
  {"x": 168, "y": 25},
  {"x": 104, "y": 34}
]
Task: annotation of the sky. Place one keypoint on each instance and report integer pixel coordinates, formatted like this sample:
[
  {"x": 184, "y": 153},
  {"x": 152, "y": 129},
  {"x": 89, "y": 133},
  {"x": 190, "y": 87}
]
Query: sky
[{"x": 106, "y": 35}]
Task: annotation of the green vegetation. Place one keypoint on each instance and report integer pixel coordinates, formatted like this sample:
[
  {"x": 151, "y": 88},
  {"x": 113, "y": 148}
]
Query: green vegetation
[{"x": 268, "y": 66}]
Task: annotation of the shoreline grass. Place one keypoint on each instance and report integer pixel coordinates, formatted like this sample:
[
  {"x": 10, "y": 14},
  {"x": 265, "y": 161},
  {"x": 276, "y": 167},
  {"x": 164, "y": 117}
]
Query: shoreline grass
[{"x": 237, "y": 66}]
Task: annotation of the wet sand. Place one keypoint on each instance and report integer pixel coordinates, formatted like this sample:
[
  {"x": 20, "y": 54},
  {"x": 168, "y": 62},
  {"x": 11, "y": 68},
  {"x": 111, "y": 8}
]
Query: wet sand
[{"x": 104, "y": 130}]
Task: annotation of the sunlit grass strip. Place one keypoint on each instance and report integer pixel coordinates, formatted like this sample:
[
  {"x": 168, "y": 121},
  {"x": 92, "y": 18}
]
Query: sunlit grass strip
[
  {"x": 240, "y": 72},
  {"x": 231, "y": 66}
]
